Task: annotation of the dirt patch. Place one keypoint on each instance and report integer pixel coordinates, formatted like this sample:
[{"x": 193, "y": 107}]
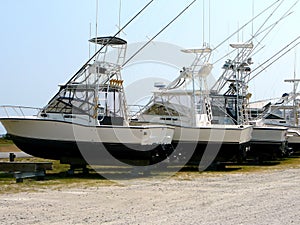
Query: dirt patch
[
  {"x": 231, "y": 198},
  {"x": 9, "y": 148}
]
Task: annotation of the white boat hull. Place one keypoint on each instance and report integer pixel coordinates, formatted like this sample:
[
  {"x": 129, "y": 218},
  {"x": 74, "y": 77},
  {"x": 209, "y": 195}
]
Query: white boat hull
[
  {"x": 224, "y": 134},
  {"x": 269, "y": 134},
  {"x": 268, "y": 142},
  {"x": 293, "y": 138},
  {"x": 212, "y": 142},
  {"x": 63, "y": 140}
]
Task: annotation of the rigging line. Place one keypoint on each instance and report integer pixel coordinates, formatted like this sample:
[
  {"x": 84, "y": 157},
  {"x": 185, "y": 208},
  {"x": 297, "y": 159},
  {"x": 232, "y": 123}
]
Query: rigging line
[
  {"x": 286, "y": 14},
  {"x": 275, "y": 54},
  {"x": 230, "y": 36},
  {"x": 150, "y": 40},
  {"x": 259, "y": 42},
  {"x": 257, "y": 32},
  {"x": 269, "y": 17},
  {"x": 222, "y": 85},
  {"x": 224, "y": 56},
  {"x": 273, "y": 24},
  {"x": 258, "y": 51},
  {"x": 222, "y": 77},
  {"x": 110, "y": 40},
  {"x": 139, "y": 50},
  {"x": 218, "y": 82},
  {"x": 172, "y": 21},
  {"x": 274, "y": 60},
  {"x": 268, "y": 29}
]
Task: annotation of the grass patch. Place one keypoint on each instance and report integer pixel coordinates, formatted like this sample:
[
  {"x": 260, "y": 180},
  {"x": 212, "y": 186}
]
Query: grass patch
[
  {"x": 58, "y": 178},
  {"x": 292, "y": 162},
  {"x": 4, "y": 142},
  {"x": 55, "y": 179}
]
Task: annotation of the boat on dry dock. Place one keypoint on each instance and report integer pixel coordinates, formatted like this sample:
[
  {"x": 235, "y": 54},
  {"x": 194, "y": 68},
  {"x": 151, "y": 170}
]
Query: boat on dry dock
[
  {"x": 87, "y": 121},
  {"x": 231, "y": 106},
  {"x": 185, "y": 105},
  {"x": 282, "y": 112}
]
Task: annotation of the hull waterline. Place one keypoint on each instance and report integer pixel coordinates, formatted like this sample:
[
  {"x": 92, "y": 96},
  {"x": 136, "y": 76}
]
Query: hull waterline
[
  {"x": 268, "y": 143},
  {"x": 94, "y": 145}
]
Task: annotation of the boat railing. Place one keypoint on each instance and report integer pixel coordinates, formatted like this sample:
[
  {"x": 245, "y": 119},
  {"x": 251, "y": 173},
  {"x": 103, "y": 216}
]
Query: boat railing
[
  {"x": 135, "y": 110},
  {"x": 8, "y": 111}
]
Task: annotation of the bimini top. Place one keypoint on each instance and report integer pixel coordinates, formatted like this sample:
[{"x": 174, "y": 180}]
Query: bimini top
[
  {"x": 198, "y": 50},
  {"x": 110, "y": 40},
  {"x": 242, "y": 45}
]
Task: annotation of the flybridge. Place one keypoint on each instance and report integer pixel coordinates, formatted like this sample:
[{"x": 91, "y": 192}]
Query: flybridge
[{"x": 110, "y": 40}]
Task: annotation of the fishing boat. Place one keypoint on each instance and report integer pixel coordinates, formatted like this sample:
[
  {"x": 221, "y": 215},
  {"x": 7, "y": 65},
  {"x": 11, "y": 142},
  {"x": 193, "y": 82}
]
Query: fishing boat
[
  {"x": 283, "y": 112},
  {"x": 185, "y": 105},
  {"x": 87, "y": 120},
  {"x": 232, "y": 106}
]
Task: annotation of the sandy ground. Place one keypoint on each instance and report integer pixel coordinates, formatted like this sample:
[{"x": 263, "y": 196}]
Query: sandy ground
[
  {"x": 9, "y": 148},
  {"x": 271, "y": 197}
]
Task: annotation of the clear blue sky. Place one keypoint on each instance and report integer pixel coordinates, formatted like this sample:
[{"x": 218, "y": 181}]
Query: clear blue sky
[{"x": 43, "y": 43}]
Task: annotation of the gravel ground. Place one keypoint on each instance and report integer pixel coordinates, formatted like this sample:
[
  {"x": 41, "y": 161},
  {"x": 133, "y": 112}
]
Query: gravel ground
[{"x": 271, "y": 197}]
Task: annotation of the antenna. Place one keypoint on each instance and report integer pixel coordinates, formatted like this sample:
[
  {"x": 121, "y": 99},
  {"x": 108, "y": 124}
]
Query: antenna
[
  {"x": 203, "y": 22},
  {"x": 97, "y": 5},
  {"x": 208, "y": 22},
  {"x": 252, "y": 31},
  {"x": 120, "y": 11},
  {"x": 89, "y": 41}
]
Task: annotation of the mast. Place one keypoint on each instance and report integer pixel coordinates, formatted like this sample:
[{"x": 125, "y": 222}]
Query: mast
[
  {"x": 84, "y": 67},
  {"x": 294, "y": 94},
  {"x": 96, "y": 24}
]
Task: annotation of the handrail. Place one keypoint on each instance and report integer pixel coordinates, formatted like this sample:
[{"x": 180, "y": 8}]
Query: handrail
[{"x": 19, "y": 111}]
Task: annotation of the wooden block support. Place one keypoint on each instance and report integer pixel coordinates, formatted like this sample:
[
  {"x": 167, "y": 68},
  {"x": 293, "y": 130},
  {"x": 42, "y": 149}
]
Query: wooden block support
[{"x": 23, "y": 170}]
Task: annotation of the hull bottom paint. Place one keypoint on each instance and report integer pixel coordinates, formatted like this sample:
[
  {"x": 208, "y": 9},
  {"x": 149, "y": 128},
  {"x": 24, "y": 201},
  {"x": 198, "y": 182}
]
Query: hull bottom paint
[
  {"x": 268, "y": 150},
  {"x": 187, "y": 153},
  {"x": 295, "y": 147},
  {"x": 92, "y": 153},
  {"x": 204, "y": 153}
]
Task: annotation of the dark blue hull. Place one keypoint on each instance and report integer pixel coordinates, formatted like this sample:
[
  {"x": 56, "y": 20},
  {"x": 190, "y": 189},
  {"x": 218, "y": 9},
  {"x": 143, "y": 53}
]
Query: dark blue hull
[{"x": 106, "y": 153}]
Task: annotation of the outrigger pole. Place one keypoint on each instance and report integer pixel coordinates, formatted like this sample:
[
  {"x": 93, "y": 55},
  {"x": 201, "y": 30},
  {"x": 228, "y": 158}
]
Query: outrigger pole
[
  {"x": 110, "y": 40},
  {"x": 274, "y": 60},
  {"x": 246, "y": 24},
  {"x": 162, "y": 30},
  {"x": 148, "y": 42}
]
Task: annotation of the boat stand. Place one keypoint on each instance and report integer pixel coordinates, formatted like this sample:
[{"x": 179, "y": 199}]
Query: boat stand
[
  {"x": 75, "y": 165},
  {"x": 72, "y": 169},
  {"x": 23, "y": 170}
]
